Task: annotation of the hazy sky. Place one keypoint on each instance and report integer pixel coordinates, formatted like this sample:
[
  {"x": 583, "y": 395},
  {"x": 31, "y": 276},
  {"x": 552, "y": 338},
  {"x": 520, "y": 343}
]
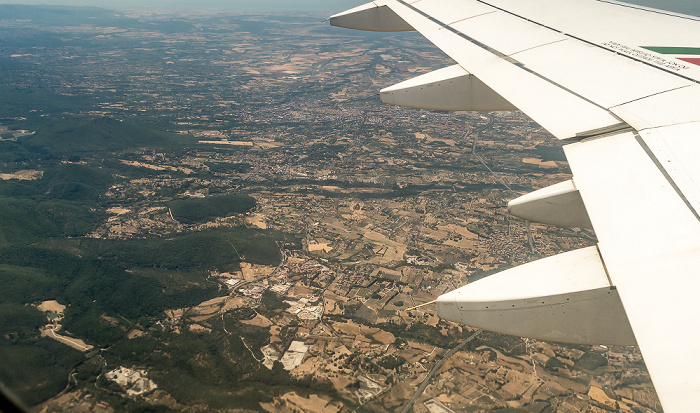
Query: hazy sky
[
  {"x": 682, "y": 6},
  {"x": 301, "y": 5}
]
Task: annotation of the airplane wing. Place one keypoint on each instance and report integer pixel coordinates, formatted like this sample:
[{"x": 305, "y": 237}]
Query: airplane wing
[{"x": 619, "y": 85}]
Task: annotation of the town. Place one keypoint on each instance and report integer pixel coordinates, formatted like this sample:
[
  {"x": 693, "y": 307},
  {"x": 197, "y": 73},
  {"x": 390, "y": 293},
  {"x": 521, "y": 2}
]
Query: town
[{"x": 385, "y": 209}]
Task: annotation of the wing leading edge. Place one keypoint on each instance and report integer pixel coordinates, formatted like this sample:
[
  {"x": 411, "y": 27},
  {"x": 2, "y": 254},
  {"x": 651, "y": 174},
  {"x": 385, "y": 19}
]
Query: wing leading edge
[{"x": 619, "y": 84}]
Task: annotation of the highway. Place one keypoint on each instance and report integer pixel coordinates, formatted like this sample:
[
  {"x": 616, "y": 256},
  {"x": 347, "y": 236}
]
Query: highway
[{"x": 435, "y": 368}]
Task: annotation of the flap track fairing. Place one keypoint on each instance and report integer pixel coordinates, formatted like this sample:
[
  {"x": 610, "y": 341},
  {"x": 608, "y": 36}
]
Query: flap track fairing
[
  {"x": 450, "y": 88},
  {"x": 565, "y": 298},
  {"x": 559, "y": 204}
]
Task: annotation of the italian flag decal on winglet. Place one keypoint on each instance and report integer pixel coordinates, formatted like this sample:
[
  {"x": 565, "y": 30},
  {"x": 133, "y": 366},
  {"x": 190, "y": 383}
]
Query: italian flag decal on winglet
[{"x": 685, "y": 52}]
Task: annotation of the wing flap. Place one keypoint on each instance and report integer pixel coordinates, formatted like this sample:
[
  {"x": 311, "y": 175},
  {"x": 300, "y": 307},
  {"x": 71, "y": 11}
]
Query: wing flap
[
  {"x": 650, "y": 246},
  {"x": 677, "y": 149}
]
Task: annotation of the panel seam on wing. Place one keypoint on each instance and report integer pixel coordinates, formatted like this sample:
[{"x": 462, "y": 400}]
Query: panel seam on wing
[
  {"x": 471, "y": 17},
  {"x": 520, "y": 17},
  {"x": 665, "y": 173},
  {"x": 505, "y": 56},
  {"x": 650, "y": 10},
  {"x": 587, "y": 41},
  {"x": 605, "y": 267},
  {"x": 648, "y": 128},
  {"x": 539, "y": 45},
  {"x": 650, "y": 95}
]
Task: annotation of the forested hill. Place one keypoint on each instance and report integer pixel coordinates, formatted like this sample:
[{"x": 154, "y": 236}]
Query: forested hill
[{"x": 48, "y": 249}]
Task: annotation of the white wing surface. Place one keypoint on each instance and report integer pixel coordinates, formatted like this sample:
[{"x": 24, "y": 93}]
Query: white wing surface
[{"x": 620, "y": 85}]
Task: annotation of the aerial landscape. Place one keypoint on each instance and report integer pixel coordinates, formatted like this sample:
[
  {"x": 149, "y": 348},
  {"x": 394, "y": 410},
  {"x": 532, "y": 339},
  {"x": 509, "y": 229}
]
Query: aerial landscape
[{"x": 212, "y": 211}]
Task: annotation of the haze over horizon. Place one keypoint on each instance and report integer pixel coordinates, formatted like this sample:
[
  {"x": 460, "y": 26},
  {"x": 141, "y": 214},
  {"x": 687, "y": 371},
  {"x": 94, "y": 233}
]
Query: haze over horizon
[
  {"x": 681, "y": 6},
  {"x": 300, "y": 5}
]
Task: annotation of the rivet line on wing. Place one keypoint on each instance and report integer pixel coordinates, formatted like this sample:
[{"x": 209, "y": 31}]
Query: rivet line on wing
[{"x": 666, "y": 175}]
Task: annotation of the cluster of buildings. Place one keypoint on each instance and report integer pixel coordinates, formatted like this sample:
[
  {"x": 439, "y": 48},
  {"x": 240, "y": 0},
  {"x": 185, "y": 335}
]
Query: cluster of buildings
[{"x": 393, "y": 205}]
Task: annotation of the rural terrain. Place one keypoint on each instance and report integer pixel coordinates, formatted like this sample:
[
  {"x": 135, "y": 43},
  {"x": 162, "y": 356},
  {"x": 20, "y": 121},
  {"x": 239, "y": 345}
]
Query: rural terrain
[{"x": 213, "y": 212}]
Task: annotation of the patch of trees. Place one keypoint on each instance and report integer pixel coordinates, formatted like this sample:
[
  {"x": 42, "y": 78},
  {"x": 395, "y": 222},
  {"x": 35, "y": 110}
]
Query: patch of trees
[
  {"x": 36, "y": 370},
  {"x": 511, "y": 346},
  {"x": 222, "y": 248},
  {"x": 591, "y": 361},
  {"x": 270, "y": 304},
  {"x": 227, "y": 168},
  {"x": 419, "y": 332},
  {"x": 198, "y": 210},
  {"x": 91, "y": 288},
  {"x": 554, "y": 363},
  {"x": 75, "y": 182},
  {"x": 25, "y": 221},
  {"x": 100, "y": 135},
  {"x": 34, "y": 367},
  {"x": 391, "y": 362}
]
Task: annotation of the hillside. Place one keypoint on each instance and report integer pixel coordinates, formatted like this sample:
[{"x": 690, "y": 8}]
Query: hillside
[{"x": 99, "y": 135}]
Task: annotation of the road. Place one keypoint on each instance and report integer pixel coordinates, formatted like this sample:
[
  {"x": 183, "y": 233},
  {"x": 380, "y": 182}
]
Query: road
[
  {"x": 435, "y": 368},
  {"x": 65, "y": 340},
  {"x": 476, "y": 133},
  {"x": 496, "y": 176}
]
